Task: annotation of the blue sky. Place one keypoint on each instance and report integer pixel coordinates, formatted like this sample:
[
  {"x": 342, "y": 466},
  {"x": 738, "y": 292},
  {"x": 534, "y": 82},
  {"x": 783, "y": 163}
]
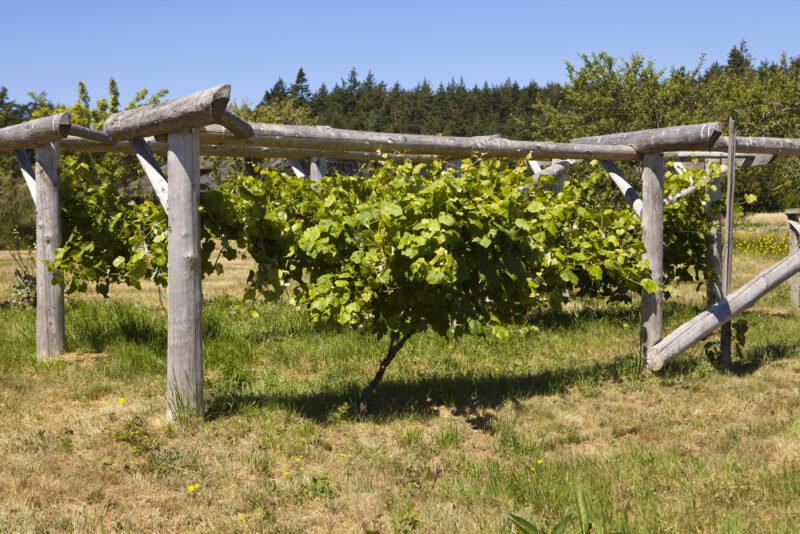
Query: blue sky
[{"x": 189, "y": 46}]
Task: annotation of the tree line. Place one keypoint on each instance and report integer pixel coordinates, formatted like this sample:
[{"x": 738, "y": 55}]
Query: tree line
[{"x": 602, "y": 94}]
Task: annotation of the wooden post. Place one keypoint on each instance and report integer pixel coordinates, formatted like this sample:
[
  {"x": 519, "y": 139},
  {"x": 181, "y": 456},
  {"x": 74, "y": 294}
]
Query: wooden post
[
  {"x": 50, "y": 335},
  {"x": 184, "y": 291},
  {"x": 794, "y": 215},
  {"x": 714, "y": 249},
  {"x": 727, "y": 257},
  {"x": 317, "y": 169},
  {"x": 653, "y": 237}
]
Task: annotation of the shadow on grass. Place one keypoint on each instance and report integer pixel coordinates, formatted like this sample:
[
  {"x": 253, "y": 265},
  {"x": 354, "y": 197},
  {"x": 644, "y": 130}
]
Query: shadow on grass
[
  {"x": 467, "y": 393},
  {"x": 757, "y": 356}
]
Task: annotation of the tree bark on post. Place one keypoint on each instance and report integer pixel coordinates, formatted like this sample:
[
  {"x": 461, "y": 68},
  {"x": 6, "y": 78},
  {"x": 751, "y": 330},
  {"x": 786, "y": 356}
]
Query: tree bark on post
[
  {"x": 653, "y": 237},
  {"x": 50, "y": 335},
  {"x": 794, "y": 215},
  {"x": 714, "y": 249},
  {"x": 184, "y": 291}
]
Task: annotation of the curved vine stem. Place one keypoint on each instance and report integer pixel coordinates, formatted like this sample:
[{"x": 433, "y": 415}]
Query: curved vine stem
[{"x": 395, "y": 345}]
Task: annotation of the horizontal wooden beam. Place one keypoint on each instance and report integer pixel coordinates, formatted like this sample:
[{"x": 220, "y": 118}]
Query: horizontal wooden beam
[
  {"x": 743, "y": 160},
  {"x": 687, "y": 137},
  {"x": 191, "y": 111},
  {"x": 77, "y": 144},
  {"x": 236, "y": 125},
  {"x": 36, "y": 132},
  {"x": 87, "y": 133},
  {"x": 762, "y": 145},
  {"x": 703, "y": 324},
  {"x": 445, "y": 147}
]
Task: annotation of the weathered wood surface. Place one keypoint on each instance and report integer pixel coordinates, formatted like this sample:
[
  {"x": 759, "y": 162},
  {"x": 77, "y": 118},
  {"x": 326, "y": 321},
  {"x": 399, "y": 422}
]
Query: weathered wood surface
[
  {"x": 691, "y": 136},
  {"x": 50, "y": 334},
  {"x": 725, "y": 341},
  {"x": 794, "y": 231},
  {"x": 236, "y": 125},
  {"x": 191, "y": 111},
  {"x": 93, "y": 135},
  {"x": 742, "y": 159},
  {"x": 27, "y": 172},
  {"x": 76, "y": 144},
  {"x": 627, "y": 190},
  {"x": 184, "y": 290},
  {"x": 36, "y": 132},
  {"x": 317, "y": 169},
  {"x": 723, "y": 312},
  {"x": 79, "y": 144},
  {"x": 652, "y": 320},
  {"x": 152, "y": 170},
  {"x": 714, "y": 248},
  {"x": 445, "y": 147},
  {"x": 761, "y": 145}
]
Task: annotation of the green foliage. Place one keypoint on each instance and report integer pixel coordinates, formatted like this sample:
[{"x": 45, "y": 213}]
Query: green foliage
[
  {"x": 581, "y": 515},
  {"x": 410, "y": 248}
]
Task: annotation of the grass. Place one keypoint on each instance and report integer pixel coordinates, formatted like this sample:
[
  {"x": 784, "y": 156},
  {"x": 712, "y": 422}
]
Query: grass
[{"x": 460, "y": 433}]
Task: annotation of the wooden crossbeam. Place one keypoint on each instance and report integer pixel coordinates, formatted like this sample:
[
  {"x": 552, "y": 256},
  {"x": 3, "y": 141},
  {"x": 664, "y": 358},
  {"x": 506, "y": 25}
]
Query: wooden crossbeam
[
  {"x": 36, "y": 132},
  {"x": 191, "y": 111}
]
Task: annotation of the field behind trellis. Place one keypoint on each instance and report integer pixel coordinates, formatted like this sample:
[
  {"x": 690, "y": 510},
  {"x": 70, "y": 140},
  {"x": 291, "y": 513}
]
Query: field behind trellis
[{"x": 460, "y": 433}]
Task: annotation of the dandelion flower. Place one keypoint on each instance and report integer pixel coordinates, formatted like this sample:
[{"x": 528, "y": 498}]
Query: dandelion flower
[
  {"x": 539, "y": 461},
  {"x": 192, "y": 487},
  {"x": 121, "y": 400},
  {"x": 343, "y": 454},
  {"x": 286, "y": 473}
]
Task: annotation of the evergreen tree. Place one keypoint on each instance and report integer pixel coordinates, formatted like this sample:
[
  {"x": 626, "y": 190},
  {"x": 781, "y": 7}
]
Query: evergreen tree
[{"x": 299, "y": 89}]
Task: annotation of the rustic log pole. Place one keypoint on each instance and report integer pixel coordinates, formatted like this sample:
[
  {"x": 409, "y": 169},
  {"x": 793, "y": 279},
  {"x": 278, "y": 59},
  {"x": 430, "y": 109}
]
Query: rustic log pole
[
  {"x": 714, "y": 247},
  {"x": 92, "y": 135},
  {"x": 50, "y": 334},
  {"x": 317, "y": 169},
  {"x": 725, "y": 338},
  {"x": 652, "y": 319},
  {"x": 191, "y": 111},
  {"x": 794, "y": 217},
  {"x": 742, "y": 160},
  {"x": 447, "y": 147},
  {"x": 721, "y": 313},
  {"x": 152, "y": 170},
  {"x": 36, "y": 132},
  {"x": 27, "y": 172},
  {"x": 627, "y": 190},
  {"x": 697, "y": 136},
  {"x": 236, "y": 125},
  {"x": 761, "y": 145},
  {"x": 184, "y": 290}
]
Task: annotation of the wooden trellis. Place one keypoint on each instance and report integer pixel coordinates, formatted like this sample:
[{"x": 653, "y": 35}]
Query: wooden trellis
[{"x": 199, "y": 124}]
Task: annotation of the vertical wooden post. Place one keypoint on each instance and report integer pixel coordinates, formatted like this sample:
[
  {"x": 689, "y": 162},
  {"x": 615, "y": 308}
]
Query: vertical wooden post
[
  {"x": 184, "y": 291},
  {"x": 318, "y": 168},
  {"x": 653, "y": 237},
  {"x": 727, "y": 258},
  {"x": 714, "y": 249},
  {"x": 794, "y": 215},
  {"x": 50, "y": 335}
]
